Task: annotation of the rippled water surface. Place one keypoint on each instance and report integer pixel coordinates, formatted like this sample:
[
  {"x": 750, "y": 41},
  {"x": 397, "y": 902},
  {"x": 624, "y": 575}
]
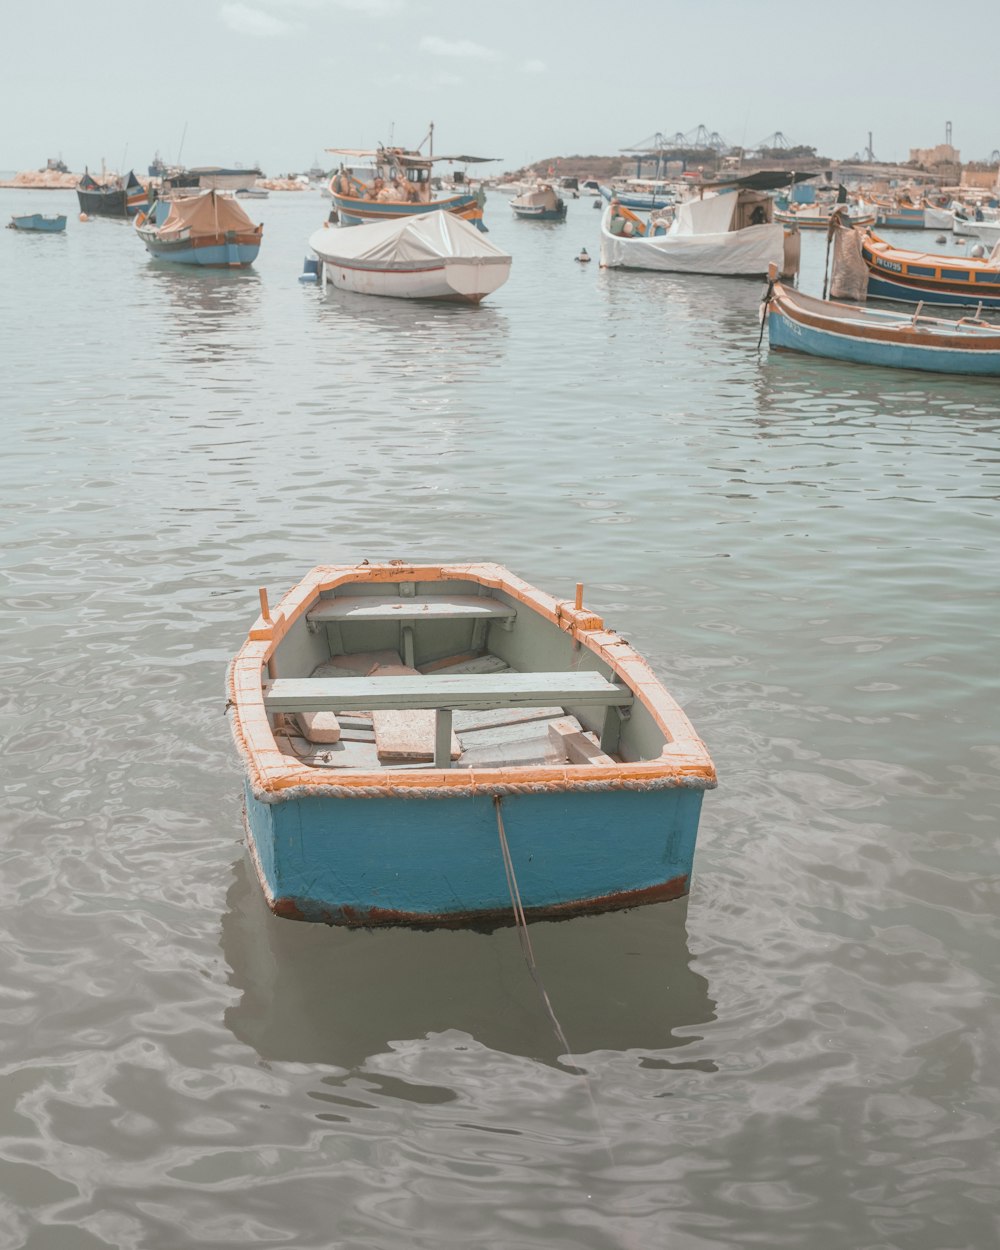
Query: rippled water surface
[{"x": 802, "y": 1054}]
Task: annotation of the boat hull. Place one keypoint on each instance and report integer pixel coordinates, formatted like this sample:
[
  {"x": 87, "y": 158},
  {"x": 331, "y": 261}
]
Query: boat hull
[
  {"x": 438, "y": 862},
  {"x": 223, "y": 251},
  {"x": 453, "y": 281},
  {"x": 356, "y": 211},
  {"x": 540, "y": 214}
]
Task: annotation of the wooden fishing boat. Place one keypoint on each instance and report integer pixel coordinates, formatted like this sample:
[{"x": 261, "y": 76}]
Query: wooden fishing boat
[
  {"x": 116, "y": 197},
  {"x": 732, "y": 234},
  {"x": 895, "y": 273},
  {"x": 395, "y": 183},
  {"x": 38, "y": 223},
  {"x": 419, "y": 740},
  {"x": 878, "y": 336},
  {"x": 210, "y": 230},
  {"x": 642, "y": 195},
  {"x": 431, "y": 256},
  {"x": 818, "y": 216},
  {"x": 539, "y": 203}
]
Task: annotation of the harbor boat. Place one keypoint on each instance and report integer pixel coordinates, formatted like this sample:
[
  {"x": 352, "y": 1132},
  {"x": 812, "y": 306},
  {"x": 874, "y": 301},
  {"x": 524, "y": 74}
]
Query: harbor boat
[
  {"x": 396, "y": 182},
  {"x": 209, "y": 229},
  {"x": 221, "y": 178},
  {"x": 115, "y": 197},
  {"x": 539, "y": 203},
  {"x": 424, "y": 744},
  {"x": 878, "y": 336},
  {"x": 732, "y": 233},
  {"x": 818, "y": 216},
  {"x": 642, "y": 195},
  {"x": 38, "y": 223},
  {"x": 896, "y": 273},
  {"x": 431, "y": 256},
  {"x": 900, "y": 214}
]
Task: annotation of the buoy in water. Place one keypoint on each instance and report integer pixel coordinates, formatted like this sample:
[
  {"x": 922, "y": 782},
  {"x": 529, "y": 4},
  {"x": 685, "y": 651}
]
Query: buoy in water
[
  {"x": 978, "y": 250},
  {"x": 310, "y": 270},
  {"x": 84, "y": 217},
  {"x": 584, "y": 255},
  {"x": 940, "y": 239}
]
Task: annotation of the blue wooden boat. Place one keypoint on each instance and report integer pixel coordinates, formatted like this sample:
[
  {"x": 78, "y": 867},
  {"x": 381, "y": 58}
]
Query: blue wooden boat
[
  {"x": 640, "y": 196},
  {"x": 895, "y": 273},
  {"x": 423, "y": 742},
  {"x": 878, "y": 336},
  {"x": 39, "y": 223},
  {"x": 210, "y": 230}
]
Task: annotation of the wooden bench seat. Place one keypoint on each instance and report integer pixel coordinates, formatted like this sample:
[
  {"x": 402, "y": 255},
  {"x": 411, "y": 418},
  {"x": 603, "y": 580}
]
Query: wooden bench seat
[
  {"x": 447, "y": 692},
  {"x": 409, "y": 608}
]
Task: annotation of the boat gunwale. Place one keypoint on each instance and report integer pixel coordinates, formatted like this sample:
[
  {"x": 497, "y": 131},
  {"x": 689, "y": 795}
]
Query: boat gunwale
[{"x": 683, "y": 761}]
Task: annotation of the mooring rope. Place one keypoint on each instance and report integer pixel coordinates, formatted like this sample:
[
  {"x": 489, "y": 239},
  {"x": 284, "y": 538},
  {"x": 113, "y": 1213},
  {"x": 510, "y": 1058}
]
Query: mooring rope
[
  {"x": 529, "y": 958},
  {"x": 522, "y": 925}
]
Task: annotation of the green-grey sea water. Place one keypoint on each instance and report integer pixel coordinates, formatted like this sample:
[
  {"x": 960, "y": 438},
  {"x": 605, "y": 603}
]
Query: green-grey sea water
[{"x": 803, "y": 1054}]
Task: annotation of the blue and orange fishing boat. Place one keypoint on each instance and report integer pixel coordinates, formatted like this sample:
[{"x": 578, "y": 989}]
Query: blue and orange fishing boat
[
  {"x": 210, "y": 230},
  {"x": 879, "y": 336},
  {"x": 392, "y": 183},
  {"x": 444, "y": 745},
  {"x": 895, "y": 273}
]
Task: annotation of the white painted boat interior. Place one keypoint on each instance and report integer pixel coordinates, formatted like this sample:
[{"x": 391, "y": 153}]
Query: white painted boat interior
[{"x": 361, "y": 635}]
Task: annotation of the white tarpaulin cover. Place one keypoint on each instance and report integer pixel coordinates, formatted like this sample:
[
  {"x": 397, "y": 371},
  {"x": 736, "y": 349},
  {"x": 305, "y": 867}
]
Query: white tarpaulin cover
[
  {"x": 732, "y": 252},
  {"x": 712, "y": 215},
  {"x": 420, "y": 238}
]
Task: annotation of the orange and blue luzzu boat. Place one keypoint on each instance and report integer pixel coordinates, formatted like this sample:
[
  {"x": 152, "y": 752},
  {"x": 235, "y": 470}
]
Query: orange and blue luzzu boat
[
  {"x": 426, "y": 744},
  {"x": 895, "y": 273}
]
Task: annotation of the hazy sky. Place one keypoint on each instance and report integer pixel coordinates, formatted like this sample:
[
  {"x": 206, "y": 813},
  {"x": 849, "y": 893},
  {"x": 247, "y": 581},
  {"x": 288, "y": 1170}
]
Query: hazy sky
[{"x": 277, "y": 81}]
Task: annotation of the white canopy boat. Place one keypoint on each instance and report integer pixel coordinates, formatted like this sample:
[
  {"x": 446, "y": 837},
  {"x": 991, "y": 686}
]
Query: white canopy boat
[
  {"x": 434, "y": 255},
  {"x": 733, "y": 233}
]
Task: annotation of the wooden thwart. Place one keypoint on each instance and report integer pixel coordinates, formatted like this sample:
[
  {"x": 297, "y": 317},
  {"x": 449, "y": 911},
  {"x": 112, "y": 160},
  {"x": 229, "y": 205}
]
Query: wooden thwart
[
  {"x": 446, "y": 692},
  {"x": 412, "y": 608}
]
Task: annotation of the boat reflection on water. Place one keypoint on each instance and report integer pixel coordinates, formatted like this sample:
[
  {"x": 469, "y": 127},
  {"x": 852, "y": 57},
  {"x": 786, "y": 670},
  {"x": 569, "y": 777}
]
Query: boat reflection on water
[
  {"x": 432, "y": 343},
  {"x": 210, "y": 310},
  {"x": 313, "y": 994}
]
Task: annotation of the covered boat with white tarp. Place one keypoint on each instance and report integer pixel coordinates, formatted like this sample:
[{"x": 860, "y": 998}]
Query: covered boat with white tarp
[
  {"x": 435, "y": 255},
  {"x": 732, "y": 233},
  {"x": 209, "y": 229}
]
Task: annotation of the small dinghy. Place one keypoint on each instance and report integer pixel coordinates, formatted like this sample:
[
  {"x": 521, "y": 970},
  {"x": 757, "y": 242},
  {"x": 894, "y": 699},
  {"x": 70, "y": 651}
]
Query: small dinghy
[
  {"x": 39, "y": 223},
  {"x": 422, "y": 743}
]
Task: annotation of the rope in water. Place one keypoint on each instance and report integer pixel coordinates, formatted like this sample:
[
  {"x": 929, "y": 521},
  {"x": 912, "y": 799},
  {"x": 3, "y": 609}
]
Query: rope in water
[
  {"x": 529, "y": 958},
  {"x": 522, "y": 924}
]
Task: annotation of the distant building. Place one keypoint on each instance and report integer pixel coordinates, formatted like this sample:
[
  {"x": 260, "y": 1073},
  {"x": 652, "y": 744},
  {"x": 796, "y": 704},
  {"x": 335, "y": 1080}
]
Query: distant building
[{"x": 943, "y": 154}]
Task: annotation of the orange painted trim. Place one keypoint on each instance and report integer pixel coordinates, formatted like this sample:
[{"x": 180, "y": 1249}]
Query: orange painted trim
[{"x": 684, "y": 759}]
